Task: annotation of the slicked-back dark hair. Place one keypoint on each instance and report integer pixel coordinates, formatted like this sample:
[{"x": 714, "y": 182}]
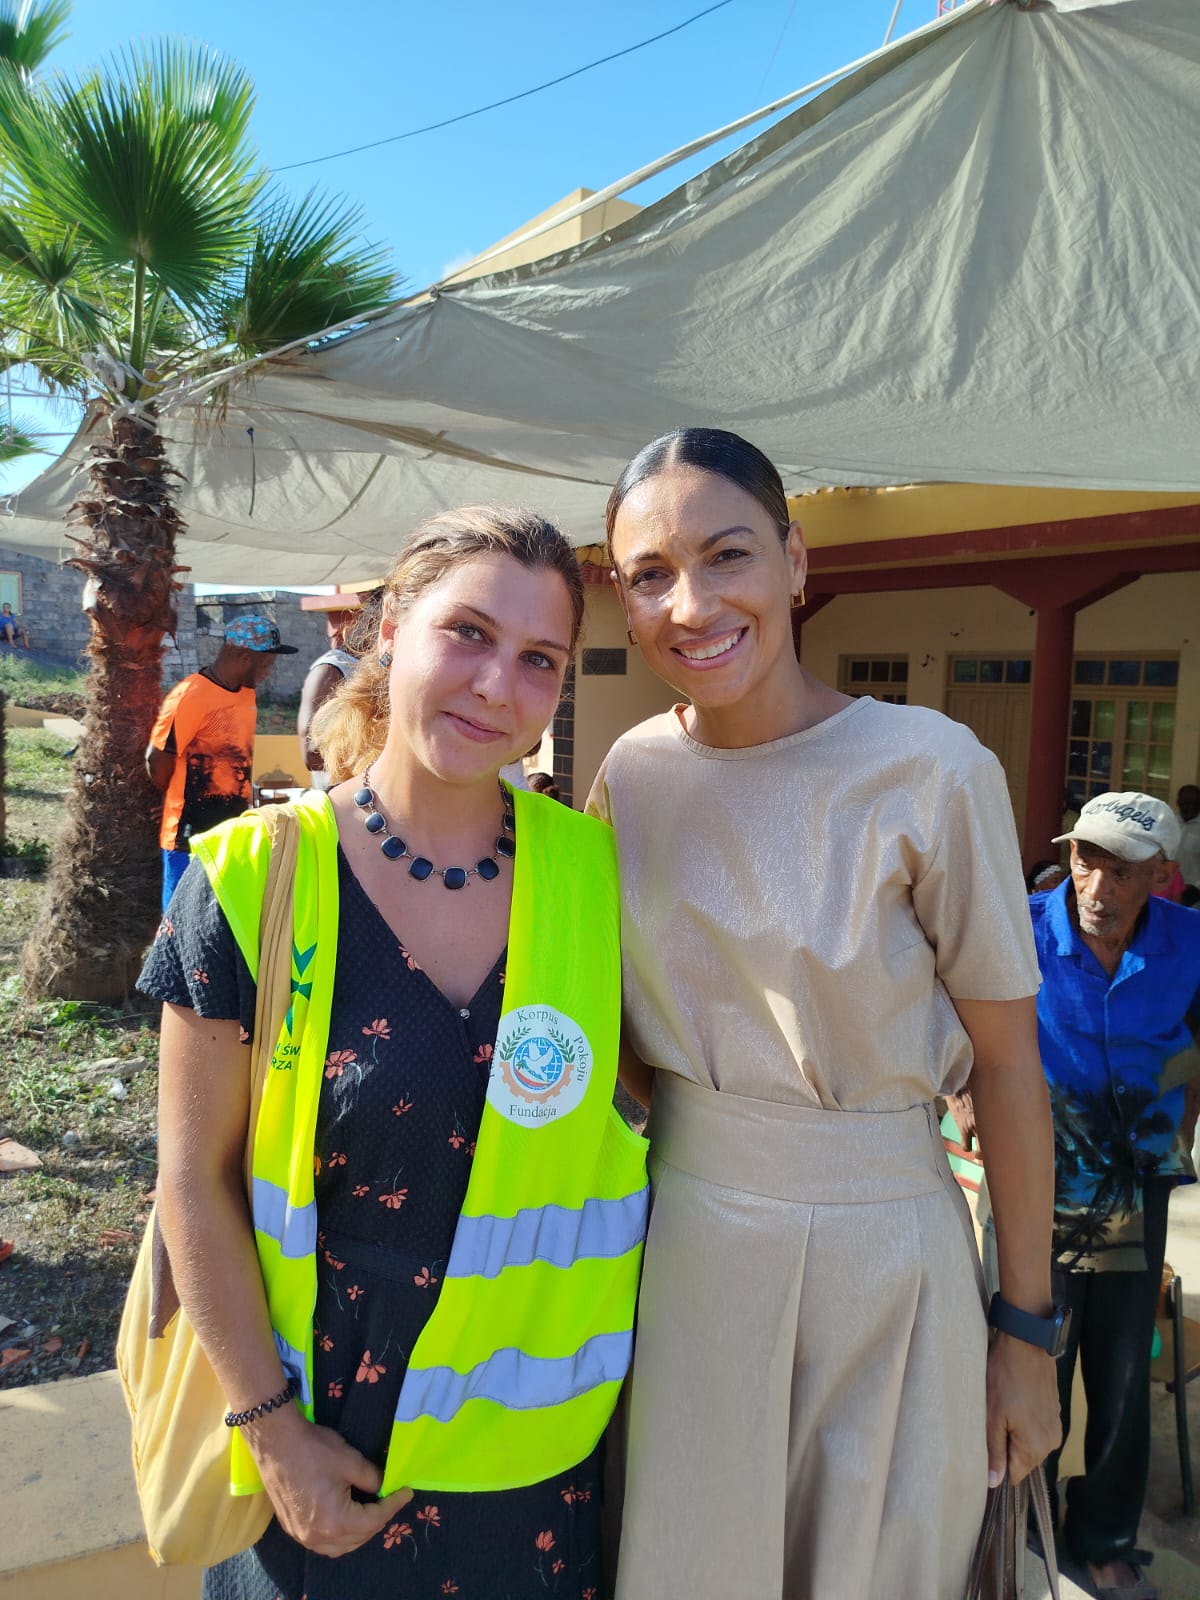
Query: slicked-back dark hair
[{"x": 726, "y": 455}]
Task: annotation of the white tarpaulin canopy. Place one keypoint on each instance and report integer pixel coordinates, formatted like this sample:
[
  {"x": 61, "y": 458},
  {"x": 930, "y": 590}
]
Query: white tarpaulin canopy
[{"x": 975, "y": 259}]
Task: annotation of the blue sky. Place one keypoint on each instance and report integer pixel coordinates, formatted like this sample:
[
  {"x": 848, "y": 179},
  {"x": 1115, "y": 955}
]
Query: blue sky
[{"x": 332, "y": 76}]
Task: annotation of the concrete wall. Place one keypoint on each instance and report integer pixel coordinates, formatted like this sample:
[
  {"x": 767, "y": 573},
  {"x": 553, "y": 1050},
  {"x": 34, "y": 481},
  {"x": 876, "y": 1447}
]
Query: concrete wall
[{"x": 71, "y": 1525}]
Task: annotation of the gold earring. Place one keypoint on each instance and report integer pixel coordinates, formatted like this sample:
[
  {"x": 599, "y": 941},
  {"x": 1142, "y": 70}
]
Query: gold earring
[{"x": 798, "y": 600}]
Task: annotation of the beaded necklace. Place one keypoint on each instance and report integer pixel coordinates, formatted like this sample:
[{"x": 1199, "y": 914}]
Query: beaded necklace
[{"x": 420, "y": 867}]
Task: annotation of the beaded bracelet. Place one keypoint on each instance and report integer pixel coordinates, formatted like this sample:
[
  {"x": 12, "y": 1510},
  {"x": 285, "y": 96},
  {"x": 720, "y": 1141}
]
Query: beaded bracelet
[{"x": 236, "y": 1419}]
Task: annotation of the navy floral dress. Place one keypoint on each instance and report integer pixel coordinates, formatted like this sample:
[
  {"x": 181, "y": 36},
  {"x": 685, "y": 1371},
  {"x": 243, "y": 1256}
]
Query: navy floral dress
[{"x": 405, "y": 1078}]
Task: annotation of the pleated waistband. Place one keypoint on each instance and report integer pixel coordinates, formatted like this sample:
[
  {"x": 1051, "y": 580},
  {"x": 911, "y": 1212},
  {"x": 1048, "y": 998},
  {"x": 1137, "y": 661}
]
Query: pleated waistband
[{"x": 790, "y": 1152}]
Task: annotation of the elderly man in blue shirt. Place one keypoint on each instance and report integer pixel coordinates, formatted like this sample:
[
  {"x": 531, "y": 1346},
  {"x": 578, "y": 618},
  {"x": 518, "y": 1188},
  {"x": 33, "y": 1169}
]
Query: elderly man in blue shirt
[{"x": 1117, "y": 1014}]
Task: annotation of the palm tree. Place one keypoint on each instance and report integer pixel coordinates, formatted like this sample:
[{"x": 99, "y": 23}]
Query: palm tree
[
  {"x": 29, "y": 32},
  {"x": 140, "y": 249}
]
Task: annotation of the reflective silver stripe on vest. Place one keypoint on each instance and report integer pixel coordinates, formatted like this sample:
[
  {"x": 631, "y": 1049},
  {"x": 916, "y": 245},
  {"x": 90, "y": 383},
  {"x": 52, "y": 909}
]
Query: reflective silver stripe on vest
[
  {"x": 515, "y": 1380},
  {"x": 294, "y": 1365},
  {"x": 293, "y": 1228},
  {"x": 484, "y": 1246}
]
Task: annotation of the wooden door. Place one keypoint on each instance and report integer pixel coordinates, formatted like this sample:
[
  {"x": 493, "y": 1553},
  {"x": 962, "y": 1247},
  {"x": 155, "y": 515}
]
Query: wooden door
[{"x": 999, "y": 718}]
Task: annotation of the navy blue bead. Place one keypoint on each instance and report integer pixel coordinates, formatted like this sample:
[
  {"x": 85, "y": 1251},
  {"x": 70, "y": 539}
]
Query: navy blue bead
[
  {"x": 363, "y": 797},
  {"x": 393, "y": 848},
  {"x": 375, "y": 823},
  {"x": 455, "y": 877},
  {"x": 488, "y": 868},
  {"x": 420, "y": 868},
  {"x": 510, "y": 822},
  {"x": 506, "y": 847}
]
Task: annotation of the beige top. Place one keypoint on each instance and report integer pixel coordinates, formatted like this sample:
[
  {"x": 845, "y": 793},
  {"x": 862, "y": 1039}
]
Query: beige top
[{"x": 796, "y": 915}]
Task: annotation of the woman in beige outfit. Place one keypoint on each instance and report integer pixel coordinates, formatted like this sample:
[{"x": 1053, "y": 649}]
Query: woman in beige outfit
[{"x": 824, "y": 926}]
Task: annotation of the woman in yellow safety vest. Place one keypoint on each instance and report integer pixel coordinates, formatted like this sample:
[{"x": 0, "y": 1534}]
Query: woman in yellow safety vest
[
  {"x": 422, "y": 1314},
  {"x": 824, "y": 925}
]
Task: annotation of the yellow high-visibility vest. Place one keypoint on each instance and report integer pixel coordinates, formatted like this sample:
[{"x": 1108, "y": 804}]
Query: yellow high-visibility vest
[{"x": 516, "y": 1373}]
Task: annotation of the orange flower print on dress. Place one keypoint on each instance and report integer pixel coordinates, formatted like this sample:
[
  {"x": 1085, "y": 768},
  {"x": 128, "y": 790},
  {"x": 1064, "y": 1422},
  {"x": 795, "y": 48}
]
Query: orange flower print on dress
[
  {"x": 337, "y": 1158},
  {"x": 326, "y": 1343},
  {"x": 395, "y": 1533},
  {"x": 484, "y": 1053},
  {"x": 588, "y": 1594},
  {"x": 379, "y": 1029},
  {"x": 166, "y": 929},
  {"x": 335, "y": 1389},
  {"x": 424, "y": 1279},
  {"x": 354, "y": 1291},
  {"x": 545, "y": 1540},
  {"x": 558, "y": 1566},
  {"x": 394, "y": 1200},
  {"x": 430, "y": 1516},
  {"x": 409, "y": 961},
  {"x": 369, "y": 1371},
  {"x": 457, "y": 1139},
  {"x": 360, "y": 1189},
  {"x": 402, "y": 1106},
  {"x": 449, "y": 1587},
  {"x": 199, "y": 975},
  {"x": 337, "y": 1061}
]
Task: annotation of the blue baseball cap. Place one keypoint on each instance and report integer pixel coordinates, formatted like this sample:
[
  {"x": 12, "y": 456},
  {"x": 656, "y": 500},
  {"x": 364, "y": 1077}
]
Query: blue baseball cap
[{"x": 254, "y": 632}]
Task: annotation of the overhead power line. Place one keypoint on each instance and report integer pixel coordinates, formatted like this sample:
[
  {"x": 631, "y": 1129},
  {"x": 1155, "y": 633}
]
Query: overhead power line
[{"x": 464, "y": 116}]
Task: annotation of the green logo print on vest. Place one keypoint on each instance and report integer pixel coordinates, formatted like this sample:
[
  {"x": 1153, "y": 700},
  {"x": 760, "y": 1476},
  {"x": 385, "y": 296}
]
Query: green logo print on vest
[
  {"x": 300, "y": 962},
  {"x": 516, "y": 1373}
]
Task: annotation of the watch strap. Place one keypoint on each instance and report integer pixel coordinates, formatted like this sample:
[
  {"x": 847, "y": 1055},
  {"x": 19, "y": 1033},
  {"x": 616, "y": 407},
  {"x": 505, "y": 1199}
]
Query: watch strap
[{"x": 1047, "y": 1333}]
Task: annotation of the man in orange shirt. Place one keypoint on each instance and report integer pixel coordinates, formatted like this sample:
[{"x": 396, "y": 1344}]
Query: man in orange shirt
[{"x": 201, "y": 747}]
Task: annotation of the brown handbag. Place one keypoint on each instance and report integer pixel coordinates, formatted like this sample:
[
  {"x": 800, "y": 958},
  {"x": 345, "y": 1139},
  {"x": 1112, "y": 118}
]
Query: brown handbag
[{"x": 998, "y": 1565}]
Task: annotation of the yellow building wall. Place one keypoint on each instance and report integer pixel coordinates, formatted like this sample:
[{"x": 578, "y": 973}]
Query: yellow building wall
[
  {"x": 598, "y": 220},
  {"x": 606, "y": 707},
  {"x": 1157, "y": 613},
  {"x": 927, "y": 625}
]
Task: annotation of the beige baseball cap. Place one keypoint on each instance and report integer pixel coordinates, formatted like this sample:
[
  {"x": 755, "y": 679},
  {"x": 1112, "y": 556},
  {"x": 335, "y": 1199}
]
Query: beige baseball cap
[{"x": 1131, "y": 825}]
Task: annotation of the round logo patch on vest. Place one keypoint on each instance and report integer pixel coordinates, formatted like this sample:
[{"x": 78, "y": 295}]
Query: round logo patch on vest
[{"x": 541, "y": 1066}]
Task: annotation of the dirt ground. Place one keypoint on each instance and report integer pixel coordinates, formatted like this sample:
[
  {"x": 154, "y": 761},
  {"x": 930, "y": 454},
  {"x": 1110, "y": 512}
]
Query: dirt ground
[{"x": 78, "y": 1088}]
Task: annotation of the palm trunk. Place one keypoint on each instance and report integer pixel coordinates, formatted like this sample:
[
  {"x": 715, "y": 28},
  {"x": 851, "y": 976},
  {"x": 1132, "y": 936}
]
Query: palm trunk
[{"x": 103, "y": 892}]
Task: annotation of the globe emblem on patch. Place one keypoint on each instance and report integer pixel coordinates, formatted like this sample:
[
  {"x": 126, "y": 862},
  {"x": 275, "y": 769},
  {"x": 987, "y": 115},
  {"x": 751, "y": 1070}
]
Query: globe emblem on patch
[
  {"x": 537, "y": 1065},
  {"x": 541, "y": 1066}
]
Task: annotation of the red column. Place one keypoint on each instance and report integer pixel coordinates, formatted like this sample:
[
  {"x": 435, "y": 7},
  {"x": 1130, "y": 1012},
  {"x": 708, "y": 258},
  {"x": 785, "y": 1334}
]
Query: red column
[{"x": 1048, "y": 729}]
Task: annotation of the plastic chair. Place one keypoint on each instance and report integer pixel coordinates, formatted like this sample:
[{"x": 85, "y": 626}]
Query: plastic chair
[{"x": 1176, "y": 1364}]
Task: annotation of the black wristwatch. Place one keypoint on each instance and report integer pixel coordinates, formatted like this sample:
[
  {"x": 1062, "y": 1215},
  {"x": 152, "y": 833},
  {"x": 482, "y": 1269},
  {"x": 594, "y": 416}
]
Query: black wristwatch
[{"x": 1047, "y": 1333}]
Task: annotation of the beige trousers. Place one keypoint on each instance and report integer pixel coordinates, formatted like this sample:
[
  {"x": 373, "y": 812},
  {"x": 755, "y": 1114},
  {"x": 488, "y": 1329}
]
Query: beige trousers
[{"x": 807, "y": 1412}]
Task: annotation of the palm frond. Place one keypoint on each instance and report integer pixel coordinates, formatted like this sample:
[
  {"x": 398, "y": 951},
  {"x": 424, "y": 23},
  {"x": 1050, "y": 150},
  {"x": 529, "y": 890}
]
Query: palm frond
[
  {"x": 50, "y": 302},
  {"x": 18, "y": 437},
  {"x": 29, "y": 32},
  {"x": 148, "y": 162},
  {"x": 306, "y": 270}
]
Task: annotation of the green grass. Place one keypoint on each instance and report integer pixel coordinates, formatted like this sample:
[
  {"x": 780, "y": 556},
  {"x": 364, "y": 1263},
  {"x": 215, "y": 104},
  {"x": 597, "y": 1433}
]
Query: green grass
[
  {"x": 19, "y": 674},
  {"x": 37, "y": 775}
]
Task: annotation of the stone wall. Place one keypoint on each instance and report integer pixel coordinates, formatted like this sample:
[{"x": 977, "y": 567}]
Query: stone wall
[
  {"x": 50, "y": 604},
  {"x": 304, "y": 629}
]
